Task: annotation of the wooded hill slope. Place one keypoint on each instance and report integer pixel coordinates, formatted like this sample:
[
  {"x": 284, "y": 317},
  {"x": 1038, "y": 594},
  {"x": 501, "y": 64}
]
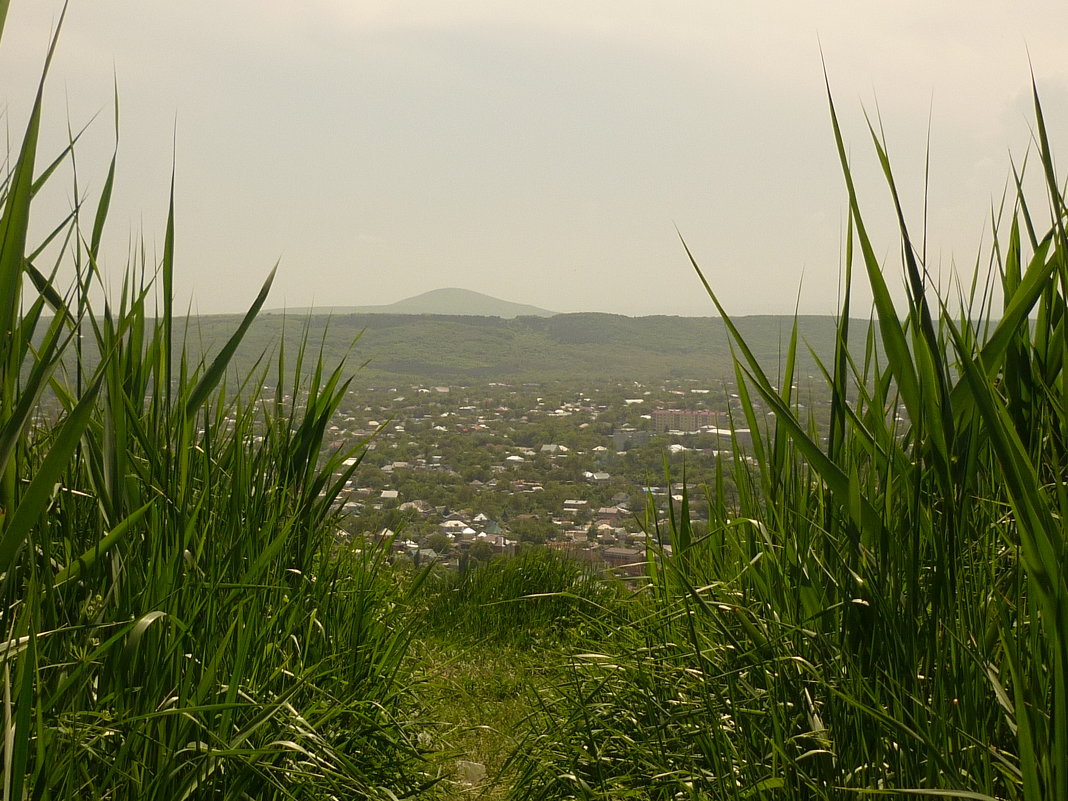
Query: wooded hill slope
[{"x": 595, "y": 346}]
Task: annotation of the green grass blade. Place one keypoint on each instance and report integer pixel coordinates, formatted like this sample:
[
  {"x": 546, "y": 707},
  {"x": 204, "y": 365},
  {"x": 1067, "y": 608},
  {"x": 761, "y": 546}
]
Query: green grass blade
[
  {"x": 215, "y": 372},
  {"x": 89, "y": 558},
  {"x": 4, "y": 6},
  {"x": 166, "y": 352},
  {"x": 33, "y": 387},
  {"x": 890, "y": 327},
  {"x": 105, "y": 194},
  {"x": 18, "y": 740},
  {"x": 868, "y": 519},
  {"x": 14, "y": 223},
  {"x": 39, "y": 492}
]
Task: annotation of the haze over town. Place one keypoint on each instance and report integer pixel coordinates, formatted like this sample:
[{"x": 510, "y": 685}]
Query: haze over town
[{"x": 541, "y": 153}]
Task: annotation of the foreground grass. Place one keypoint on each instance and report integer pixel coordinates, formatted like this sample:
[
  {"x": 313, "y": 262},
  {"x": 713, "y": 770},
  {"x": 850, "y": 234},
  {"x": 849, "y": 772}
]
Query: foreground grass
[
  {"x": 881, "y": 611},
  {"x": 175, "y": 621}
]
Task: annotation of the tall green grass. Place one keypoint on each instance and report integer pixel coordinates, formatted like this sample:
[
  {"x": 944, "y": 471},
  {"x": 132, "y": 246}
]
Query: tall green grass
[
  {"x": 879, "y": 611},
  {"x": 538, "y": 596},
  {"x": 175, "y": 621}
]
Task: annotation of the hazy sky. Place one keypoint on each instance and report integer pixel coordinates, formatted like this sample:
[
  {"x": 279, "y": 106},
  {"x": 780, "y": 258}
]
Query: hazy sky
[{"x": 540, "y": 152}]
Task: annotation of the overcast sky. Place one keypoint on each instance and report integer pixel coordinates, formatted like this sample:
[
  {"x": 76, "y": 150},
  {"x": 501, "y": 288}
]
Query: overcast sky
[{"x": 540, "y": 152}]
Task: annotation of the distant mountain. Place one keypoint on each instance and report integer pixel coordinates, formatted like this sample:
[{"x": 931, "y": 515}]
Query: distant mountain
[{"x": 451, "y": 301}]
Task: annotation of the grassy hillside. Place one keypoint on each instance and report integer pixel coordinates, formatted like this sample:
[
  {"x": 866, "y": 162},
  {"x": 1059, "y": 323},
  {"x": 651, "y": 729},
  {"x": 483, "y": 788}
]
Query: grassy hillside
[{"x": 458, "y": 349}]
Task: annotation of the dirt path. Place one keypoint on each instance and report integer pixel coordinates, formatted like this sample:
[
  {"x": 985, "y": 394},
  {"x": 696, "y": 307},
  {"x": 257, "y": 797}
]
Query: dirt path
[{"x": 477, "y": 698}]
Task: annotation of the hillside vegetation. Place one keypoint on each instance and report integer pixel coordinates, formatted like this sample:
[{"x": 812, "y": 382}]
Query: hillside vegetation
[{"x": 590, "y": 346}]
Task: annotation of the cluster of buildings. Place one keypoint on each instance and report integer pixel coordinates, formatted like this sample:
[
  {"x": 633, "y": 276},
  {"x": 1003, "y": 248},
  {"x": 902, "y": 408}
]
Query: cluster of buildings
[{"x": 438, "y": 456}]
